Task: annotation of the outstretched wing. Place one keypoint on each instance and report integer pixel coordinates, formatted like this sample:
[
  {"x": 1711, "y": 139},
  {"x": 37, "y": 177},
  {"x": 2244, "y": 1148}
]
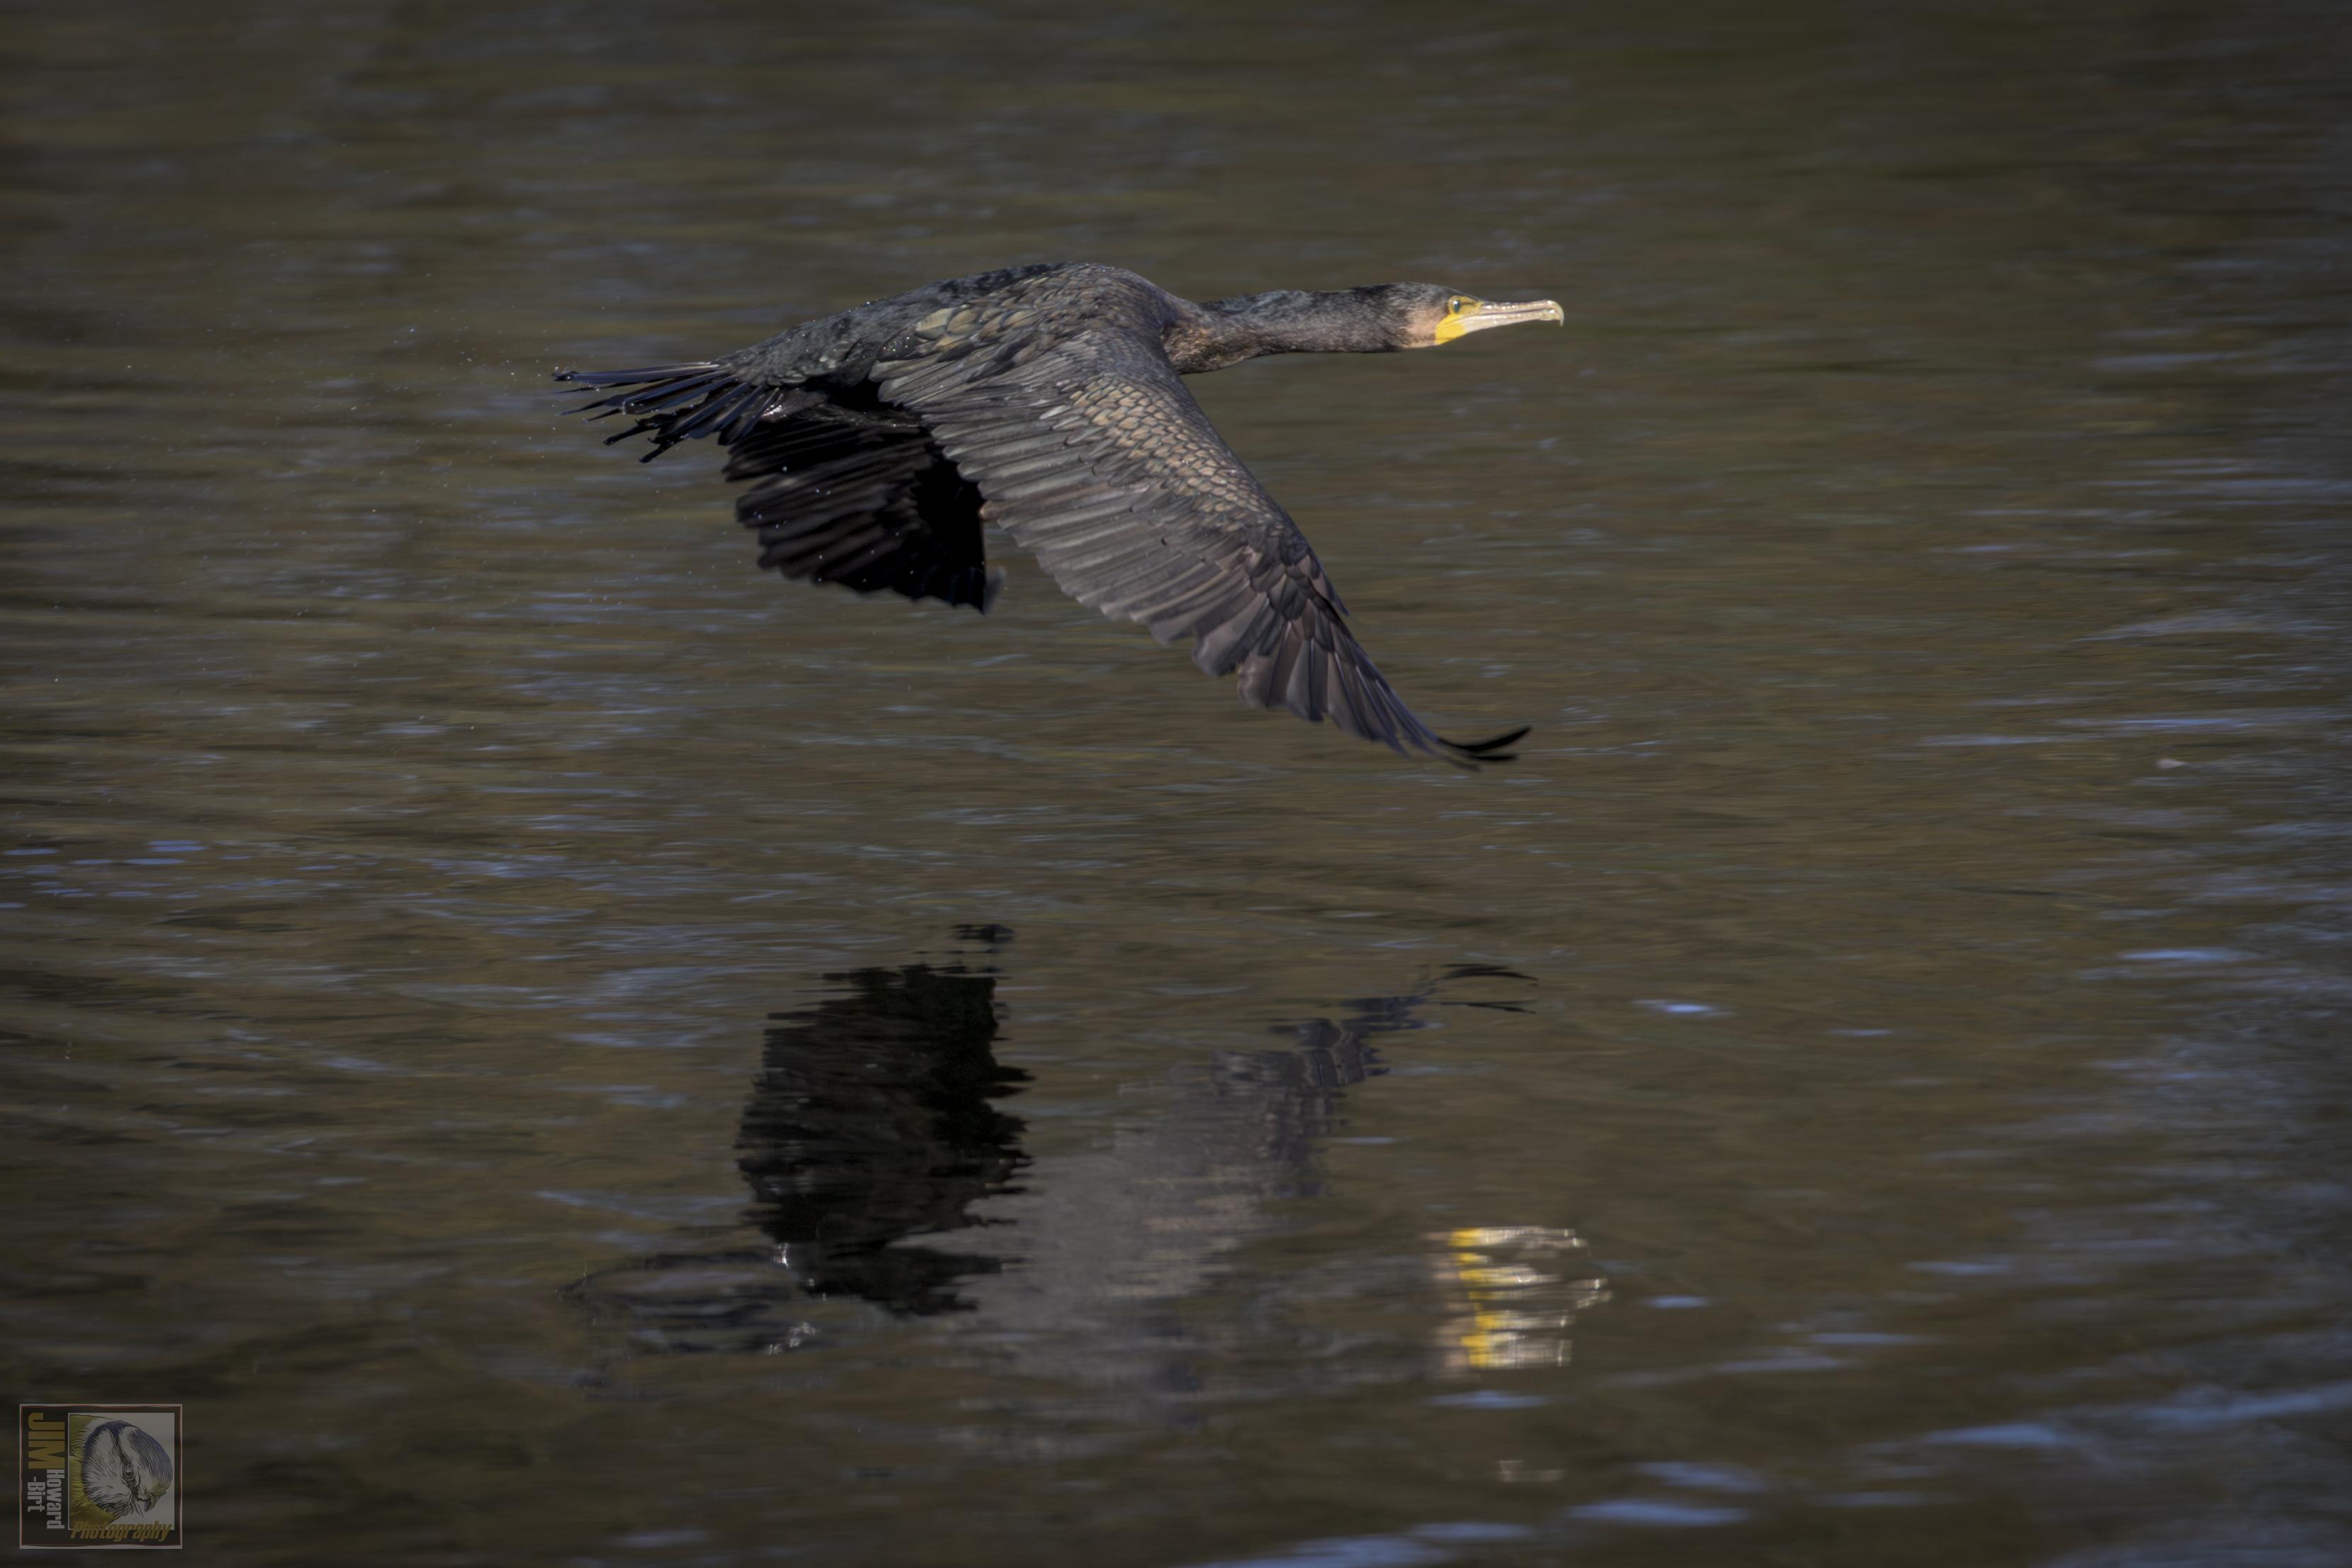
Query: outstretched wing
[
  {"x": 1092, "y": 454},
  {"x": 858, "y": 497},
  {"x": 869, "y": 501}
]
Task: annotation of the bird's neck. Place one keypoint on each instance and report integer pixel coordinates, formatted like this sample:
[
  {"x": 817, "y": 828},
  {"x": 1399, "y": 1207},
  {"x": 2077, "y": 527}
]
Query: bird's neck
[{"x": 1220, "y": 332}]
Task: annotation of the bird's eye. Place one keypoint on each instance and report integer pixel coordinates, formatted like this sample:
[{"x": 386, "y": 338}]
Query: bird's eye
[{"x": 1453, "y": 306}]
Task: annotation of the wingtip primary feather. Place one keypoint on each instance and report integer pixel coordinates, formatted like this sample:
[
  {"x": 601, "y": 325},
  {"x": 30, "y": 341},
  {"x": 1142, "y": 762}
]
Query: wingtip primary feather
[{"x": 1493, "y": 749}]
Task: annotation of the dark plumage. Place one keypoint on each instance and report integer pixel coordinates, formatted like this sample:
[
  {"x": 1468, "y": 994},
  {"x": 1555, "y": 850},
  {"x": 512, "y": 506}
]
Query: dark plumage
[{"x": 1049, "y": 401}]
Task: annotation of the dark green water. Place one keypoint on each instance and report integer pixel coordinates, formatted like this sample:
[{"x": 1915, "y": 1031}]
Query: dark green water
[{"x": 489, "y": 976}]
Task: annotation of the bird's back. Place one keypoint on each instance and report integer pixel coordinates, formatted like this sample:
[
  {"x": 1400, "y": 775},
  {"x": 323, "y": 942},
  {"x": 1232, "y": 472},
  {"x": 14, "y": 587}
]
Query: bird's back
[{"x": 842, "y": 349}]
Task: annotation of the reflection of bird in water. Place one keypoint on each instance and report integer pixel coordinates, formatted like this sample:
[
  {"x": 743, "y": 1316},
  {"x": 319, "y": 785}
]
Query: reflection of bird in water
[
  {"x": 1517, "y": 1287},
  {"x": 873, "y": 1121},
  {"x": 882, "y": 1171},
  {"x": 1049, "y": 401},
  {"x": 124, "y": 1470},
  {"x": 872, "y": 1125}
]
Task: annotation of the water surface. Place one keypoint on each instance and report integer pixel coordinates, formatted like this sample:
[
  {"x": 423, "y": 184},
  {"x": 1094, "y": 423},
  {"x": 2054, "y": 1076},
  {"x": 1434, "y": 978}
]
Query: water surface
[{"x": 556, "y": 1046}]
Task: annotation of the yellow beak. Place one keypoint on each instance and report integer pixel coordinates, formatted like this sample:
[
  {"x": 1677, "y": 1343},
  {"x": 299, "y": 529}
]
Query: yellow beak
[{"x": 1477, "y": 315}]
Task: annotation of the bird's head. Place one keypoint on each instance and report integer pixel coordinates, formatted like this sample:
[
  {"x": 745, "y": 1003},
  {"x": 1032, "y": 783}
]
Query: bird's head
[
  {"x": 1424, "y": 315},
  {"x": 1374, "y": 319}
]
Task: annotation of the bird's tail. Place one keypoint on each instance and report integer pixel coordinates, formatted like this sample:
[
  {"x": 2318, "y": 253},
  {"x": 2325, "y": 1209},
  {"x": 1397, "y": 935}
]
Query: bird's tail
[{"x": 678, "y": 402}]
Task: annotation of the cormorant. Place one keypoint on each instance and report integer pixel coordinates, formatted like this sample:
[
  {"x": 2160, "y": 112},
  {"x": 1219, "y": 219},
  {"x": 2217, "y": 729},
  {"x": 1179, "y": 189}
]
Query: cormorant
[{"x": 1048, "y": 400}]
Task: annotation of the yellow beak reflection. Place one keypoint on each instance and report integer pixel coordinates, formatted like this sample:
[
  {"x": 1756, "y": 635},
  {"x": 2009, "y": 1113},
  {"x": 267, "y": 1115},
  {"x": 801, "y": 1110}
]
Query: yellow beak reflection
[{"x": 1512, "y": 1291}]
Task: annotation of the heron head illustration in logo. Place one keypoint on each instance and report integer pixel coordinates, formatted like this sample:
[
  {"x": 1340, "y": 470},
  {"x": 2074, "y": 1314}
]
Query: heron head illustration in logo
[{"x": 124, "y": 1470}]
